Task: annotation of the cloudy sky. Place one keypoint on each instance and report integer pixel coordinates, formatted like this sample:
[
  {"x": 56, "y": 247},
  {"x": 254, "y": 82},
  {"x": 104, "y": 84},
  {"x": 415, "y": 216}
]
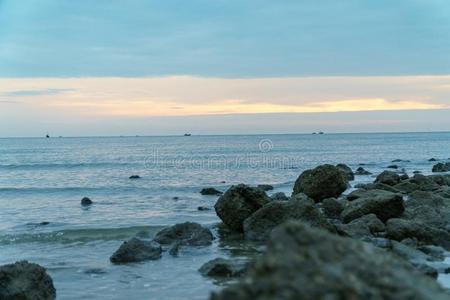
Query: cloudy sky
[{"x": 112, "y": 67}]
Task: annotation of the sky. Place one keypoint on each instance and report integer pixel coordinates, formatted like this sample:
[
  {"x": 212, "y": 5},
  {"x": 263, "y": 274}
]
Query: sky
[{"x": 111, "y": 67}]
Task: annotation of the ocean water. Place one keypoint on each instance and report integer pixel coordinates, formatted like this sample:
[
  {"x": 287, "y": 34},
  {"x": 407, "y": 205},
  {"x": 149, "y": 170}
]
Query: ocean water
[{"x": 43, "y": 180}]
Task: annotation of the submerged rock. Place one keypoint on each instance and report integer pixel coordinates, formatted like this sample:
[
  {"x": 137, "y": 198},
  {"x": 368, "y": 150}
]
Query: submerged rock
[
  {"x": 383, "y": 204},
  {"x": 221, "y": 267},
  {"x": 260, "y": 224},
  {"x": 86, "y": 201},
  {"x": 238, "y": 203},
  {"x": 210, "y": 192},
  {"x": 322, "y": 182},
  {"x": 306, "y": 263},
  {"x": 134, "y": 177},
  {"x": 346, "y": 171},
  {"x": 388, "y": 177},
  {"x": 186, "y": 234},
  {"x": 362, "y": 171},
  {"x": 25, "y": 281},
  {"x": 203, "y": 208},
  {"x": 136, "y": 250},
  {"x": 265, "y": 187}
]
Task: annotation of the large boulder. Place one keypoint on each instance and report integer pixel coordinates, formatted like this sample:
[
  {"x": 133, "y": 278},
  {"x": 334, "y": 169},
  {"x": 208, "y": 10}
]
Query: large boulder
[
  {"x": 383, "y": 204},
  {"x": 136, "y": 250},
  {"x": 260, "y": 224},
  {"x": 322, "y": 182},
  {"x": 346, "y": 171},
  {"x": 388, "y": 177},
  {"x": 221, "y": 267},
  {"x": 332, "y": 207},
  {"x": 441, "y": 167},
  {"x": 185, "y": 234},
  {"x": 362, "y": 227},
  {"x": 25, "y": 281},
  {"x": 238, "y": 203},
  {"x": 307, "y": 263},
  {"x": 400, "y": 229}
]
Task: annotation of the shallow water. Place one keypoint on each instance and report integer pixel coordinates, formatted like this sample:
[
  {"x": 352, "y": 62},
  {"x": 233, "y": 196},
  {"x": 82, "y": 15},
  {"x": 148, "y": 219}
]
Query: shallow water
[{"x": 43, "y": 180}]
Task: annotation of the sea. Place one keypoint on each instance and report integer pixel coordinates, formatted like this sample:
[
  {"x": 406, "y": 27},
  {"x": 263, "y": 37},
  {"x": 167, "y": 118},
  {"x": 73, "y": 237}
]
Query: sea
[{"x": 42, "y": 181}]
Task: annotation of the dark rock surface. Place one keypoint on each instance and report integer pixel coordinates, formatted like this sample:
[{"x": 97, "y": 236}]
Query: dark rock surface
[
  {"x": 265, "y": 187},
  {"x": 280, "y": 196},
  {"x": 136, "y": 250},
  {"x": 306, "y": 263},
  {"x": 210, "y": 192},
  {"x": 362, "y": 227},
  {"x": 346, "y": 171},
  {"x": 186, "y": 234},
  {"x": 388, "y": 177},
  {"x": 441, "y": 167},
  {"x": 238, "y": 203},
  {"x": 86, "y": 201},
  {"x": 332, "y": 207},
  {"x": 135, "y": 177},
  {"x": 221, "y": 267},
  {"x": 362, "y": 171},
  {"x": 325, "y": 181}
]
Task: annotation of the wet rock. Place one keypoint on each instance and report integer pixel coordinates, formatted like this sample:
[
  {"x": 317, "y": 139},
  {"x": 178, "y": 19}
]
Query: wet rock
[
  {"x": 362, "y": 227},
  {"x": 323, "y": 182},
  {"x": 135, "y": 177},
  {"x": 210, "y": 192},
  {"x": 136, "y": 250},
  {"x": 280, "y": 196},
  {"x": 346, "y": 171},
  {"x": 332, "y": 207},
  {"x": 221, "y": 267},
  {"x": 260, "y": 224},
  {"x": 203, "y": 208},
  {"x": 404, "y": 176},
  {"x": 362, "y": 171},
  {"x": 388, "y": 177},
  {"x": 392, "y": 167},
  {"x": 175, "y": 249},
  {"x": 383, "y": 204},
  {"x": 399, "y": 229},
  {"x": 425, "y": 183},
  {"x": 441, "y": 167},
  {"x": 407, "y": 187},
  {"x": 436, "y": 252},
  {"x": 25, "y": 281},
  {"x": 86, "y": 201},
  {"x": 265, "y": 187},
  {"x": 306, "y": 263},
  {"x": 238, "y": 203},
  {"x": 377, "y": 186},
  {"x": 186, "y": 234},
  {"x": 433, "y": 159}
]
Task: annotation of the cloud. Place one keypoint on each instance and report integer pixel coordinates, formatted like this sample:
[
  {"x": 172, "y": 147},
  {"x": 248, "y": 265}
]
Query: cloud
[{"x": 32, "y": 93}]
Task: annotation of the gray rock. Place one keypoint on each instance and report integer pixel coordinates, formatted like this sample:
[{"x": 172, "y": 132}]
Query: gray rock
[
  {"x": 436, "y": 252},
  {"x": 362, "y": 171},
  {"x": 210, "y": 192},
  {"x": 332, "y": 207},
  {"x": 25, "y": 281},
  {"x": 238, "y": 203},
  {"x": 362, "y": 227},
  {"x": 260, "y": 224},
  {"x": 306, "y": 263},
  {"x": 186, "y": 234},
  {"x": 323, "y": 182},
  {"x": 383, "y": 204},
  {"x": 221, "y": 267},
  {"x": 399, "y": 229},
  {"x": 136, "y": 250},
  {"x": 407, "y": 187},
  {"x": 280, "y": 196},
  {"x": 441, "y": 167},
  {"x": 377, "y": 186},
  {"x": 265, "y": 187},
  {"x": 86, "y": 201},
  {"x": 388, "y": 177},
  {"x": 346, "y": 171}
]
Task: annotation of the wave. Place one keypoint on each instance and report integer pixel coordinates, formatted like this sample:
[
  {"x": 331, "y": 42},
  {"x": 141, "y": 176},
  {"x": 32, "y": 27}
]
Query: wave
[
  {"x": 63, "y": 166},
  {"x": 69, "y": 236}
]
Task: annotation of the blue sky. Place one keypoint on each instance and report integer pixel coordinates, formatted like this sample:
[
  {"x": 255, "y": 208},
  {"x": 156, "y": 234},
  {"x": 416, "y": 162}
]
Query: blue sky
[{"x": 141, "y": 61}]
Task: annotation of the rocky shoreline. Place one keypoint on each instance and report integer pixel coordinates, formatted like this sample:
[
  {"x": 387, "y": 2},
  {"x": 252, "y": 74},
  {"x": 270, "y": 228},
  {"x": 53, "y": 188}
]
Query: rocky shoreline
[{"x": 384, "y": 240}]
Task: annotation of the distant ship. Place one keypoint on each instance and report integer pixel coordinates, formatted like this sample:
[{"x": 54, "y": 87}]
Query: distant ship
[
  {"x": 47, "y": 136},
  {"x": 187, "y": 134},
  {"x": 321, "y": 132}
]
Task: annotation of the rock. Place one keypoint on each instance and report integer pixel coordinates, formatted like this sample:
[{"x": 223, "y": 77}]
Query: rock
[
  {"x": 436, "y": 252},
  {"x": 433, "y": 159},
  {"x": 265, "y": 187},
  {"x": 136, "y": 250},
  {"x": 346, "y": 171},
  {"x": 280, "y": 196},
  {"x": 86, "y": 201},
  {"x": 25, "y": 281},
  {"x": 210, "y": 192},
  {"x": 323, "y": 182},
  {"x": 377, "y": 186},
  {"x": 135, "y": 177},
  {"x": 392, "y": 167},
  {"x": 175, "y": 198},
  {"x": 407, "y": 187},
  {"x": 221, "y": 267},
  {"x": 441, "y": 167},
  {"x": 186, "y": 234},
  {"x": 203, "y": 208},
  {"x": 332, "y": 207},
  {"x": 260, "y": 224},
  {"x": 404, "y": 176},
  {"x": 175, "y": 249},
  {"x": 306, "y": 263},
  {"x": 425, "y": 183},
  {"x": 361, "y": 227},
  {"x": 388, "y": 177},
  {"x": 238, "y": 203},
  {"x": 399, "y": 229},
  {"x": 383, "y": 204},
  {"x": 362, "y": 171}
]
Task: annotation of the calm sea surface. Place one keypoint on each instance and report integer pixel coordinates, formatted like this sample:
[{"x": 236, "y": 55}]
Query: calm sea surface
[{"x": 43, "y": 180}]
